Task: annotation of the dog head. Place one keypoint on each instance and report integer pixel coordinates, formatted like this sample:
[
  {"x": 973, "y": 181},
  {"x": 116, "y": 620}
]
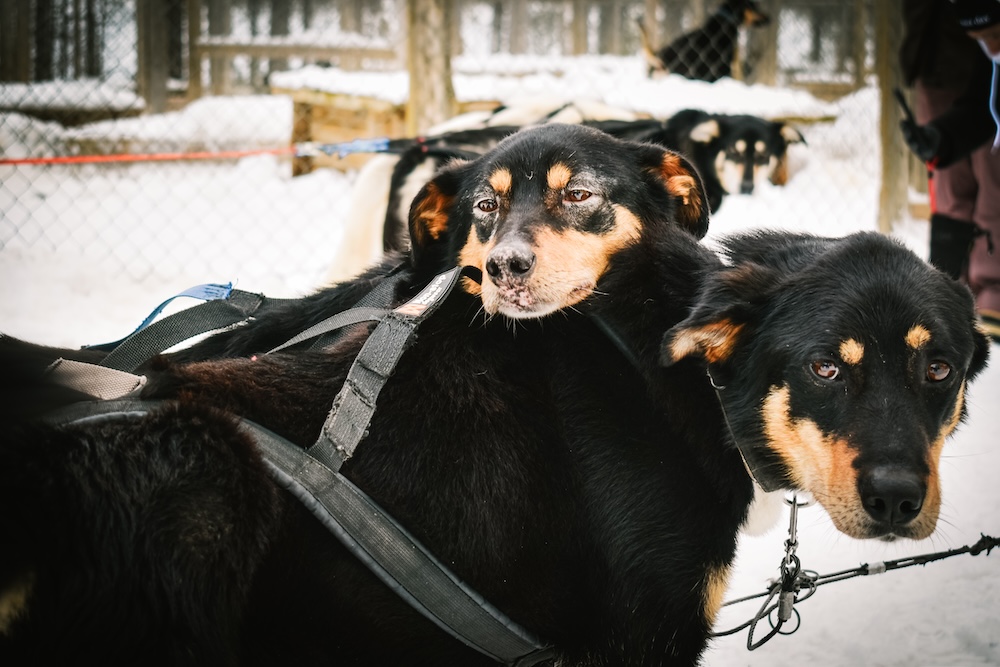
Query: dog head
[
  {"x": 842, "y": 366},
  {"x": 741, "y": 151},
  {"x": 749, "y": 13},
  {"x": 543, "y": 214}
]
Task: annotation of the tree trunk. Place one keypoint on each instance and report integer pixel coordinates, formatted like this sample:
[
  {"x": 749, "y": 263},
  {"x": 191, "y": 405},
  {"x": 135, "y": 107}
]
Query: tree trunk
[
  {"x": 93, "y": 62},
  {"x": 44, "y": 40}
]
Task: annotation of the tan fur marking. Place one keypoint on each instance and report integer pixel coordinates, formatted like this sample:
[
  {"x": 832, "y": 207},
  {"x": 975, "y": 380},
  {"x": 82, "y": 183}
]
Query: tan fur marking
[
  {"x": 852, "y": 352},
  {"x": 501, "y": 181},
  {"x": 569, "y": 264},
  {"x": 716, "y": 585},
  {"x": 818, "y": 463},
  {"x": 779, "y": 173},
  {"x": 927, "y": 521},
  {"x": 473, "y": 253},
  {"x": 680, "y": 183},
  {"x": 558, "y": 176},
  {"x": 14, "y": 600},
  {"x": 704, "y": 132},
  {"x": 430, "y": 215},
  {"x": 822, "y": 465},
  {"x": 714, "y": 341},
  {"x": 918, "y": 336}
]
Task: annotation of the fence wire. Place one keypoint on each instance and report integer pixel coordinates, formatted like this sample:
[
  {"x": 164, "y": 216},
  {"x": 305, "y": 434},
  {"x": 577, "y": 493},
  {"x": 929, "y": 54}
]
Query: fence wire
[{"x": 122, "y": 77}]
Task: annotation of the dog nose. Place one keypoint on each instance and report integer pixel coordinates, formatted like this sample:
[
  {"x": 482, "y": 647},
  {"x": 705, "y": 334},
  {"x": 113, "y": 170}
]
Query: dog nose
[
  {"x": 746, "y": 188},
  {"x": 892, "y": 496},
  {"x": 510, "y": 261}
]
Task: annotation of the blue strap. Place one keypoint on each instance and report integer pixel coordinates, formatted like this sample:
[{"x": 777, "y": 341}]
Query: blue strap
[
  {"x": 377, "y": 145},
  {"x": 205, "y": 292}
]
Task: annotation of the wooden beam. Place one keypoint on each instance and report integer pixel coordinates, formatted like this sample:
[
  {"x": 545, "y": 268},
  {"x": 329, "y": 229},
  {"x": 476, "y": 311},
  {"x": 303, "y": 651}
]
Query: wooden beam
[
  {"x": 893, "y": 195},
  {"x": 194, "y": 49}
]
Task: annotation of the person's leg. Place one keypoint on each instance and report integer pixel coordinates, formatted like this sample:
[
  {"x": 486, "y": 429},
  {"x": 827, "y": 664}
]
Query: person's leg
[
  {"x": 984, "y": 261},
  {"x": 954, "y": 194}
]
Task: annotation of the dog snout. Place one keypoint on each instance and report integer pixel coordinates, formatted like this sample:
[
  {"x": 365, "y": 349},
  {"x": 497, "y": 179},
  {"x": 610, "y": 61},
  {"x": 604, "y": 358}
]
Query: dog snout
[
  {"x": 746, "y": 188},
  {"x": 892, "y": 496},
  {"x": 510, "y": 262}
]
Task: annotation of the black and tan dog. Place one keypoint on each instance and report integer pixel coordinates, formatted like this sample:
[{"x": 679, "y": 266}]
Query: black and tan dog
[
  {"x": 842, "y": 366},
  {"x": 529, "y": 437},
  {"x": 708, "y": 52}
]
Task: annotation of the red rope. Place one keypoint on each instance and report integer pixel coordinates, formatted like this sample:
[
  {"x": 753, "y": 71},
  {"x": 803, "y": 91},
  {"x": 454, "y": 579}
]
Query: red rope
[{"x": 147, "y": 157}]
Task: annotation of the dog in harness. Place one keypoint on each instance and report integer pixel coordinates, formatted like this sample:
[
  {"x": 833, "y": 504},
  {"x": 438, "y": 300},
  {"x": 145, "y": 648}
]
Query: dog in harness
[{"x": 526, "y": 435}]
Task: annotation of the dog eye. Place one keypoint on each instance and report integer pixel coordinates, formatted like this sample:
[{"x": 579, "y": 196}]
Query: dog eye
[
  {"x": 577, "y": 195},
  {"x": 938, "y": 371},
  {"x": 825, "y": 369},
  {"x": 487, "y": 205}
]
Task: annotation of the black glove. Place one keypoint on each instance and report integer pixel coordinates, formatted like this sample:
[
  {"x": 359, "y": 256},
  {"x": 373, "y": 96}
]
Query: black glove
[{"x": 923, "y": 140}]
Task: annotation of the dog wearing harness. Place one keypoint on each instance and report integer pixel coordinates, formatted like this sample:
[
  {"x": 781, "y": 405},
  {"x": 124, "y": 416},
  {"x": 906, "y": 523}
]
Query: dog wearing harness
[{"x": 525, "y": 434}]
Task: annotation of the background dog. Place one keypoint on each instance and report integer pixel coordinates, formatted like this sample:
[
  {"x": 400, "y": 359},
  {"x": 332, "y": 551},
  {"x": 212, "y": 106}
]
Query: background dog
[
  {"x": 706, "y": 53},
  {"x": 734, "y": 153}
]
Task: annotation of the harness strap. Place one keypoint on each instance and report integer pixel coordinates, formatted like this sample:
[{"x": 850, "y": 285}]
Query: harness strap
[
  {"x": 103, "y": 383},
  {"x": 389, "y": 550},
  {"x": 347, "y": 422},
  {"x": 396, "y": 557},
  {"x": 222, "y": 310}
]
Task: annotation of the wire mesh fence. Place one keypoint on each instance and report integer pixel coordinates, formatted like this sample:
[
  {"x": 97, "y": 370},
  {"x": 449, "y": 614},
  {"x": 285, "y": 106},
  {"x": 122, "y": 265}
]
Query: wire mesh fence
[{"x": 191, "y": 103}]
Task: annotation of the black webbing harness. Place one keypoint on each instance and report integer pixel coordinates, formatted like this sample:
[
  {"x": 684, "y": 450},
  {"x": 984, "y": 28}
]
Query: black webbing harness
[{"x": 312, "y": 474}]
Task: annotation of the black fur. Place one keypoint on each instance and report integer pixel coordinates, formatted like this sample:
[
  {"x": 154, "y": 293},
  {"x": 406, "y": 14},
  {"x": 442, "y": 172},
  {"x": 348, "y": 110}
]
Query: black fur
[{"x": 706, "y": 53}]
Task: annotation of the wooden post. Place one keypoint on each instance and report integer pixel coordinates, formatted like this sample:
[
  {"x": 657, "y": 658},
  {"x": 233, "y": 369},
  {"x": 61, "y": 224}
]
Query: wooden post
[
  {"x": 432, "y": 97},
  {"x": 858, "y": 43},
  {"x": 888, "y": 36},
  {"x": 518, "y": 26},
  {"x": 301, "y": 133},
  {"x": 762, "y": 47},
  {"x": 153, "y": 54},
  {"x": 194, "y": 53},
  {"x": 579, "y": 29},
  {"x": 651, "y": 19},
  {"x": 281, "y": 13},
  {"x": 219, "y": 23}
]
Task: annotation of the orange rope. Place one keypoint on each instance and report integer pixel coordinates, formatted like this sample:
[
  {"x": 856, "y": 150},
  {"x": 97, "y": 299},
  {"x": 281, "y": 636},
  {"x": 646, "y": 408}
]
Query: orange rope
[{"x": 147, "y": 157}]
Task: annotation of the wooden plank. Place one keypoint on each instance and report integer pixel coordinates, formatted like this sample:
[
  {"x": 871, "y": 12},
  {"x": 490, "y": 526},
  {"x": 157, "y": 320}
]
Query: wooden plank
[
  {"x": 284, "y": 50},
  {"x": 893, "y": 195},
  {"x": 219, "y": 23},
  {"x": 194, "y": 49}
]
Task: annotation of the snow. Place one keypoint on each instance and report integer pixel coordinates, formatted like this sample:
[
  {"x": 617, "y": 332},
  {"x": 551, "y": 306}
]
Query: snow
[
  {"x": 615, "y": 80},
  {"x": 173, "y": 226}
]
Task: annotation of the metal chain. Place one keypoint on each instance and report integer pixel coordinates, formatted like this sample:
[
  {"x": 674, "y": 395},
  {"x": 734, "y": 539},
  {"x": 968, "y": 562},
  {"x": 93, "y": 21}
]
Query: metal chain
[{"x": 797, "y": 585}]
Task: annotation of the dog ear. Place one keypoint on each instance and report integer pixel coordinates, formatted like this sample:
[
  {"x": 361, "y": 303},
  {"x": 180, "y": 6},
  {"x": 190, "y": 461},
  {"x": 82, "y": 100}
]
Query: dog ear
[
  {"x": 727, "y": 307},
  {"x": 705, "y": 132},
  {"x": 790, "y": 134},
  {"x": 683, "y": 181},
  {"x": 430, "y": 212}
]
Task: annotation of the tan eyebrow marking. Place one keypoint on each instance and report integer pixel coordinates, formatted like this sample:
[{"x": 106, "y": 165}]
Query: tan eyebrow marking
[
  {"x": 558, "y": 176},
  {"x": 500, "y": 180},
  {"x": 918, "y": 336},
  {"x": 852, "y": 352}
]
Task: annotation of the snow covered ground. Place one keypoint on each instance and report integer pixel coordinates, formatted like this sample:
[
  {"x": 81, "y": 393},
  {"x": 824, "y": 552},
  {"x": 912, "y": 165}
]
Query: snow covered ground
[{"x": 64, "y": 286}]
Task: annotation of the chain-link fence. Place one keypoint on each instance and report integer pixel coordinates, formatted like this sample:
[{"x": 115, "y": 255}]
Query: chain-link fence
[{"x": 192, "y": 105}]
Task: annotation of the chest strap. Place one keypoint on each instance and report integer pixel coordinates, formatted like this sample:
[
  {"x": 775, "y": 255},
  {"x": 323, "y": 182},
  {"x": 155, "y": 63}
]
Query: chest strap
[{"x": 398, "y": 559}]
